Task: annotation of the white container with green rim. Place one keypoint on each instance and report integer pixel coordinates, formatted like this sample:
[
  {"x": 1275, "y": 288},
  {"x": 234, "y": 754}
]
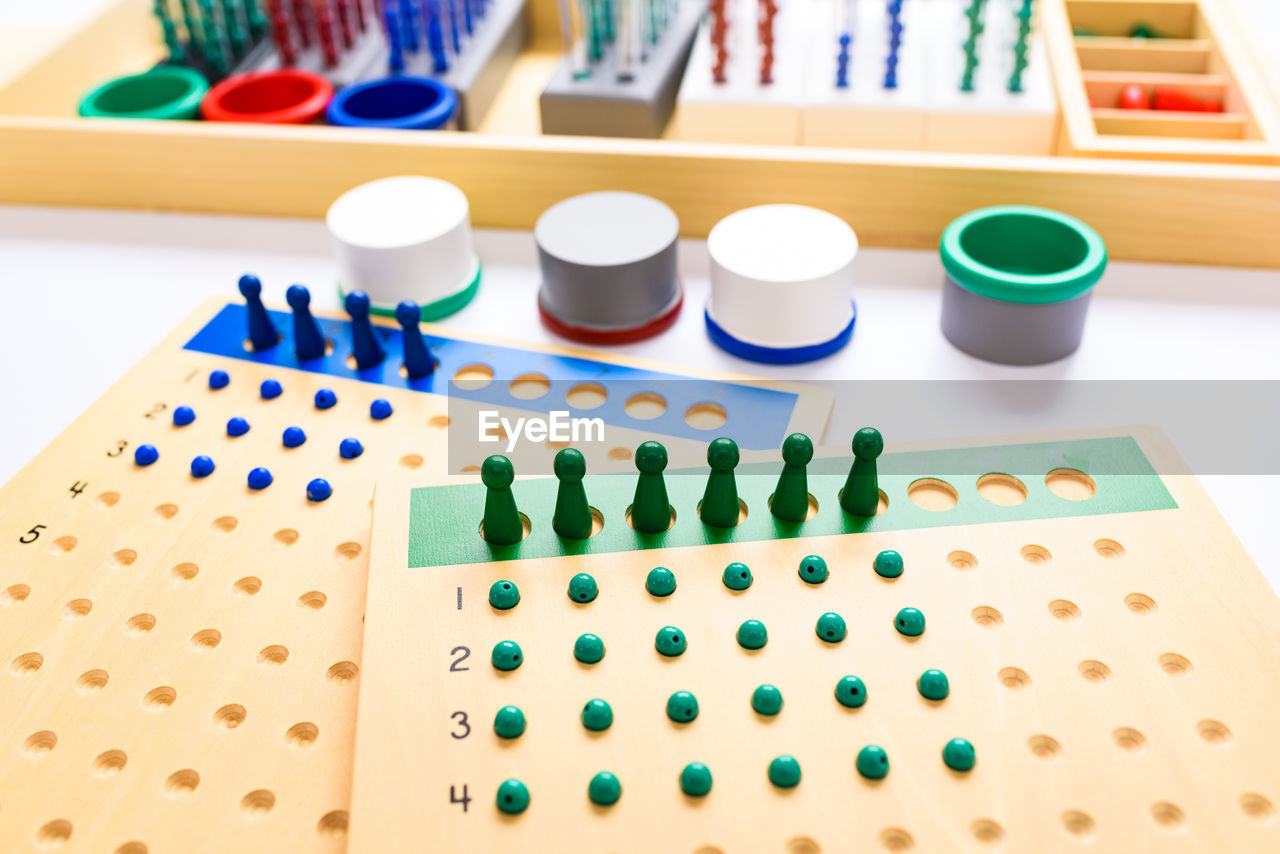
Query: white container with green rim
[{"x": 1018, "y": 283}]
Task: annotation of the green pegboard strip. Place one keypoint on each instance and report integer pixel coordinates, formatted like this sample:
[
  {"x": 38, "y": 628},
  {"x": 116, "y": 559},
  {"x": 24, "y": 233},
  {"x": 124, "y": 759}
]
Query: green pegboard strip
[{"x": 444, "y": 520}]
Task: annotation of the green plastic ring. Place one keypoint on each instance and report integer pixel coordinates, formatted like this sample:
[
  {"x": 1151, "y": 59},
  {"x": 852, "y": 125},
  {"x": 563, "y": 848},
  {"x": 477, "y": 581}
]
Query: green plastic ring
[
  {"x": 1022, "y": 254},
  {"x": 439, "y": 309},
  {"x": 164, "y": 92}
]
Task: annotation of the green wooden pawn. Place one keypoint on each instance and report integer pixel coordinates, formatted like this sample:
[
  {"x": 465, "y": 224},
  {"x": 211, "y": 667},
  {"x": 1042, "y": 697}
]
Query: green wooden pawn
[
  {"x": 790, "y": 500},
  {"x": 572, "y": 519},
  {"x": 719, "y": 507},
  {"x": 861, "y": 494},
  {"x": 650, "y": 509},
  {"x": 502, "y": 523}
]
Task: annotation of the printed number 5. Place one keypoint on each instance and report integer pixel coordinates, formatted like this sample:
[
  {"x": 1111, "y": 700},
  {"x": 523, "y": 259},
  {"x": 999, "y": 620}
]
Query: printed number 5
[{"x": 32, "y": 535}]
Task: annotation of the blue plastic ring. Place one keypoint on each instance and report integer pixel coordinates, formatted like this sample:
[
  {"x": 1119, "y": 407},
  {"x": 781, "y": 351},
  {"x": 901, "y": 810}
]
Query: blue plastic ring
[
  {"x": 778, "y": 355},
  {"x": 401, "y": 101}
]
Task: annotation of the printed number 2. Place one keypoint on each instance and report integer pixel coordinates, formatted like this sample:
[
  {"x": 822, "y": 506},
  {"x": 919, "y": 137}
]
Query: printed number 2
[
  {"x": 455, "y": 665},
  {"x": 454, "y": 799},
  {"x": 32, "y": 535},
  {"x": 461, "y": 718},
  {"x": 155, "y": 410}
]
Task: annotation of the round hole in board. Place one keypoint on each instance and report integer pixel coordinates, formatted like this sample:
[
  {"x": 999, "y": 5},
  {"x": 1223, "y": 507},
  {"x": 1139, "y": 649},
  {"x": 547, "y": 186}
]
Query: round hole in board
[
  {"x": 257, "y": 803},
  {"x": 165, "y": 511},
  {"x": 184, "y": 571},
  {"x": 1095, "y": 671},
  {"x": 312, "y": 600},
  {"x": 1035, "y": 554},
  {"x": 225, "y": 524},
  {"x": 39, "y": 744},
  {"x": 987, "y": 617},
  {"x": 182, "y": 783},
  {"x": 1002, "y": 489},
  {"x": 529, "y": 386},
  {"x": 962, "y": 560},
  {"x": 333, "y": 825},
  {"x": 439, "y": 422},
  {"x": 1129, "y": 739},
  {"x": 1071, "y": 484},
  {"x": 402, "y": 370},
  {"x": 109, "y": 763},
  {"x": 1176, "y": 665},
  {"x": 342, "y": 673},
  {"x": 881, "y": 505},
  {"x": 250, "y": 585},
  {"x": 1140, "y": 603},
  {"x": 206, "y": 640},
  {"x": 92, "y": 681},
  {"x": 411, "y": 461},
  {"x": 285, "y": 537},
  {"x": 53, "y": 835},
  {"x": 472, "y": 377},
  {"x": 1013, "y": 677},
  {"x": 76, "y": 608},
  {"x": 896, "y": 839},
  {"x": 132, "y": 847},
  {"x": 1257, "y": 807},
  {"x": 348, "y": 551},
  {"x": 1078, "y": 824},
  {"x": 273, "y": 656},
  {"x": 26, "y": 664},
  {"x": 1169, "y": 816},
  {"x": 1064, "y": 609},
  {"x": 1214, "y": 732},
  {"x": 525, "y": 527},
  {"x": 15, "y": 594},
  {"x": 302, "y": 735},
  {"x": 706, "y": 416},
  {"x": 139, "y": 624},
  {"x": 645, "y": 406},
  {"x": 619, "y": 454},
  {"x": 62, "y": 545},
  {"x": 107, "y": 499},
  {"x": 159, "y": 699},
  {"x": 586, "y": 396},
  {"x": 803, "y": 845},
  {"x": 469, "y": 470},
  {"x": 230, "y": 716},
  {"x": 987, "y": 831},
  {"x": 932, "y": 494},
  {"x": 708, "y": 849},
  {"x": 123, "y": 557},
  {"x": 1108, "y": 549}
]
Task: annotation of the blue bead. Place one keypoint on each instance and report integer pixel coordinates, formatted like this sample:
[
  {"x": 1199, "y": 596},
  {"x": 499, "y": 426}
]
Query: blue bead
[
  {"x": 218, "y": 379},
  {"x": 183, "y": 415},
  {"x": 259, "y": 478},
  {"x": 293, "y": 437},
  {"x": 349, "y": 449},
  {"x": 201, "y": 466},
  {"x": 145, "y": 455},
  {"x": 237, "y": 426},
  {"x": 319, "y": 489},
  {"x": 325, "y": 398},
  {"x": 270, "y": 389},
  {"x": 380, "y": 409}
]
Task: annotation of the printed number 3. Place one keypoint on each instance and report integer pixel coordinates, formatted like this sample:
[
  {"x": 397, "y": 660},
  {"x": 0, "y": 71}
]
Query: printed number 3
[{"x": 461, "y": 718}]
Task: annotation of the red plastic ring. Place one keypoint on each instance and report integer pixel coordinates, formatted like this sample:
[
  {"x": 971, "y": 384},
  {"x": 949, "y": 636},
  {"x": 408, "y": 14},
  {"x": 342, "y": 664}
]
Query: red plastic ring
[
  {"x": 586, "y": 335},
  {"x": 288, "y": 96}
]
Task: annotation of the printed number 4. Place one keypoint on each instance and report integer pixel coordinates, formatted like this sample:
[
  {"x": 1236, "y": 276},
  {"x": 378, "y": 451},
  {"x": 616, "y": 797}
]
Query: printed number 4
[{"x": 454, "y": 799}]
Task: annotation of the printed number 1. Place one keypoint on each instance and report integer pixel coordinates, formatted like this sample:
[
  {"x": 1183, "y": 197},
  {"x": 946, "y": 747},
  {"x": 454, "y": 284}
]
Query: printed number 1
[{"x": 454, "y": 799}]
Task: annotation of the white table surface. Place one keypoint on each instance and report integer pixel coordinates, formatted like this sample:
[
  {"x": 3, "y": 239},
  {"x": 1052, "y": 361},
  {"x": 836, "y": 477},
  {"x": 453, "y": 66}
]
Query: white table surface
[{"x": 88, "y": 293}]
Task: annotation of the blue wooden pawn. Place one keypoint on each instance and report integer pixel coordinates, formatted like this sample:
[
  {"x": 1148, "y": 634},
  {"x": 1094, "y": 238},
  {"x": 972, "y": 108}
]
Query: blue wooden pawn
[
  {"x": 417, "y": 356},
  {"x": 262, "y": 332},
  {"x": 308, "y": 340},
  {"x": 365, "y": 345}
]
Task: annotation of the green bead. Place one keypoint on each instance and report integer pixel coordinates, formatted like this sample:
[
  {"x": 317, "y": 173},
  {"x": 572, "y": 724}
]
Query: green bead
[
  {"x": 831, "y": 628},
  {"x": 873, "y": 762},
  {"x": 509, "y": 722},
  {"x": 909, "y": 622},
  {"x": 851, "y": 692},
  {"x": 506, "y": 655},
  {"x": 660, "y": 582},
  {"x": 604, "y": 789},
  {"x": 737, "y": 576},
  {"x": 582, "y": 588},
  {"x": 1142, "y": 31},
  {"x": 784, "y": 772},
  {"x": 766, "y": 700},
  {"x": 888, "y": 564},
  {"x": 513, "y": 797},
  {"x": 959, "y": 755},
  {"x": 695, "y": 780},
  {"x": 682, "y": 707},
  {"x": 670, "y": 641},
  {"x": 597, "y": 715},
  {"x": 813, "y": 570},
  {"x": 504, "y": 595},
  {"x": 752, "y": 635},
  {"x": 588, "y": 648},
  {"x": 933, "y": 685}
]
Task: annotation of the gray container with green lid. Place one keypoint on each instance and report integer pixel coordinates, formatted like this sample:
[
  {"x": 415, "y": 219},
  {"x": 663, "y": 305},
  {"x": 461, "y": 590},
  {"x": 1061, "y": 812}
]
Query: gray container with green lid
[{"x": 1018, "y": 283}]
